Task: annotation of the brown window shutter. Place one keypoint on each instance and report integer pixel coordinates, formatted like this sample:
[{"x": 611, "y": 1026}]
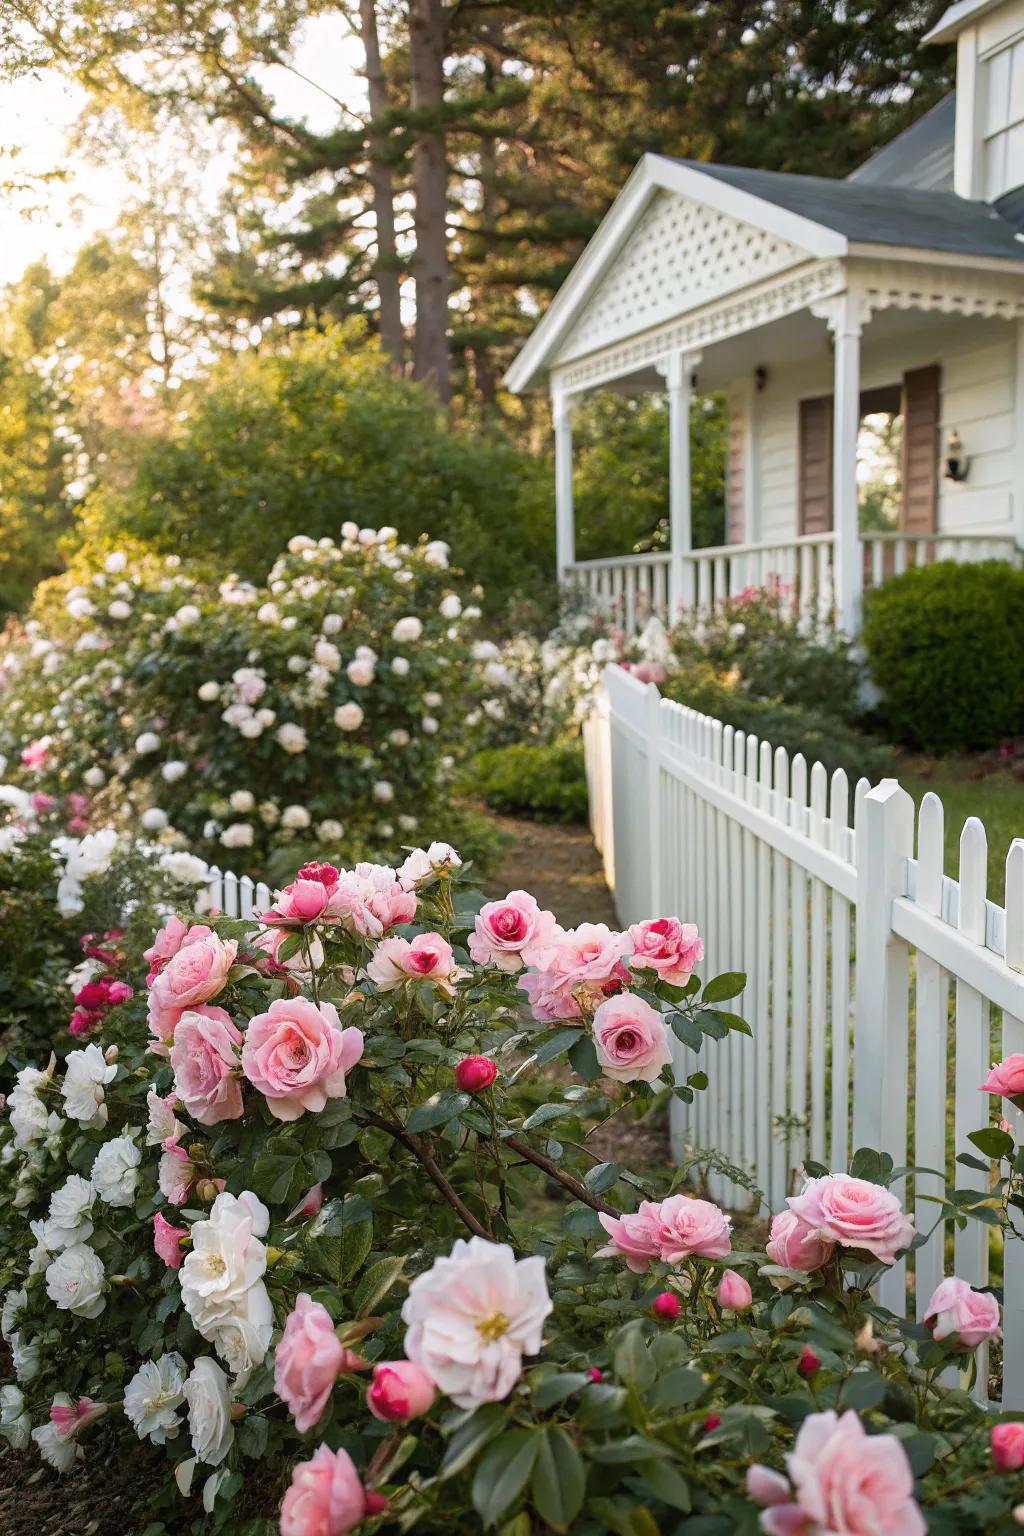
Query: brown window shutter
[
  {"x": 919, "y": 506},
  {"x": 815, "y": 482},
  {"x": 735, "y": 476}
]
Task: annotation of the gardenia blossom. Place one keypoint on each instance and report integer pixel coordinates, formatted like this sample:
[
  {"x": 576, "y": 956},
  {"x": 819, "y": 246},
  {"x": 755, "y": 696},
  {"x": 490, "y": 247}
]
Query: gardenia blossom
[
  {"x": 221, "y": 1279},
  {"x": 154, "y": 1395},
  {"x": 86, "y": 1074},
  {"x": 472, "y": 1317}
]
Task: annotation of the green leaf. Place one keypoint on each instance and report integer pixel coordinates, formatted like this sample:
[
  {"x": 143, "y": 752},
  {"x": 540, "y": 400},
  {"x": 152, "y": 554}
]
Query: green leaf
[
  {"x": 601, "y": 1406},
  {"x": 676, "y": 1388},
  {"x": 375, "y": 1284},
  {"x": 687, "y": 1030},
  {"x": 471, "y": 1436},
  {"x": 503, "y": 1473},
  {"x": 667, "y": 1485},
  {"x": 437, "y": 1110},
  {"x": 711, "y": 1024},
  {"x": 556, "y": 1386},
  {"x": 559, "y": 1479},
  {"x": 874, "y": 1166},
  {"x": 252, "y": 1436},
  {"x": 992, "y": 1141},
  {"x": 583, "y": 1059},
  {"x": 726, "y": 1021},
  {"x": 556, "y": 1043},
  {"x": 634, "y": 1448},
  {"x": 546, "y": 1112},
  {"x": 862, "y": 1390},
  {"x": 601, "y": 1177},
  {"x": 632, "y": 1359},
  {"x": 340, "y": 1238},
  {"x": 721, "y": 988}
]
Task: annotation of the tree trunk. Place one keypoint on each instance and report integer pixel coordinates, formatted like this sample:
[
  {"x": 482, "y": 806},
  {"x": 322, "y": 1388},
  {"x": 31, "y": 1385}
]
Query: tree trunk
[
  {"x": 430, "y": 186},
  {"x": 382, "y": 187}
]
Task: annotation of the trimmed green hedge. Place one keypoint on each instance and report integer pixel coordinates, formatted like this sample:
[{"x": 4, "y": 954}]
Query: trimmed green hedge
[
  {"x": 945, "y": 646},
  {"x": 548, "y": 782}
]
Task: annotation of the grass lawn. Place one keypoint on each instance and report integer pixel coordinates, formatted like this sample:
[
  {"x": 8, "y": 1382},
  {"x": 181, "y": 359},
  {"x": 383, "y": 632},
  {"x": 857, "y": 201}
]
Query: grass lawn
[{"x": 997, "y": 798}]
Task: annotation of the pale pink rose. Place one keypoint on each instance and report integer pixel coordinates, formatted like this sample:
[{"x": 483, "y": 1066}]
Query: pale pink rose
[
  {"x": 512, "y": 933},
  {"x": 631, "y": 1040},
  {"x": 204, "y": 1056},
  {"x": 855, "y": 1214},
  {"x": 633, "y": 1236},
  {"x": 766, "y": 1487},
  {"x": 69, "y": 1416},
  {"x": 590, "y": 956},
  {"x": 969, "y": 1316},
  {"x": 734, "y": 1293},
  {"x": 428, "y": 957},
  {"x": 326, "y": 1497},
  {"x": 308, "y": 1361},
  {"x": 166, "y": 943},
  {"x": 36, "y": 753},
  {"x": 167, "y": 1240},
  {"x": 400, "y": 1390},
  {"x": 299, "y": 904},
  {"x": 297, "y": 1055},
  {"x": 194, "y": 975},
  {"x": 369, "y": 899},
  {"x": 667, "y": 946},
  {"x": 177, "y": 1174},
  {"x": 550, "y": 997},
  {"x": 1006, "y": 1078},
  {"x": 1007, "y": 1441},
  {"x": 794, "y": 1245},
  {"x": 686, "y": 1226},
  {"x": 846, "y": 1482}
]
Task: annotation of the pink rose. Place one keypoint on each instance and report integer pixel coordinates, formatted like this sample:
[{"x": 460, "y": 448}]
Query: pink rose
[
  {"x": 580, "y": 969},
  {"x": 308, "y": 1361},
  {"x": 843, "y": 1481},
  {"x": 326, "y": 1497},
  {"x": 36, "y": 753},
  {"x": 428, "y": 957},
  {"x": 177, "y": 1173},
  {"x": 167, "y": 1240},
  {"x": 195, "y": 974},
  {"x": 794, "y": 1245},
  {"x": 69, "y": 1416},
  {"x": 475, "y": 1073},
  {"x": 766, "y": 1487},
  {"x": 299, "y": 904},
  {"x": 588, "y": 956},
  {"x": 855, "y": 1214},
  {"x": 1007, "y": 1441},
  {"x": 512, "y": 933},
  {"x": 970, "y": 1316},
  {"x": 166, "y": 944},
  {"x": 204, "y": 1056},
  {"x": 686, "y": 1226},
  {"x": 633, "y": 1236},
  {"x": 1007, "y": 1078},
  {"x": 370, "y": 899},
  {"x": 297, "y": 1055},
  {"x": 667, "y": 946},
  {"x": 550, "y": 997},
  {"x": 631, "y": 1040},
  {"x": 734, "y": 1293},
  {"x": 399, "y": 1391}
]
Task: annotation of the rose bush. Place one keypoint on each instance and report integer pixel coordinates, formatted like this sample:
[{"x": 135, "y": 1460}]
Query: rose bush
[
  {"x": 251, "y": 724},
  {"x": 317, "y": 1226}
]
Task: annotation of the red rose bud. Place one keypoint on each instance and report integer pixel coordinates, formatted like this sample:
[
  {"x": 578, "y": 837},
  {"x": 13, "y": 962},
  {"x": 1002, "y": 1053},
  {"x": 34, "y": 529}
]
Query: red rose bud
[
  {"x": 666, "y": 1306},
  {"x": 595, "y": 1374},
  {"x": 808, "y": 1365},
  {"x": 475, "y": 1073},
  {"x": 376, "y": 1503},
  {"x": 711, "y": 1422}
]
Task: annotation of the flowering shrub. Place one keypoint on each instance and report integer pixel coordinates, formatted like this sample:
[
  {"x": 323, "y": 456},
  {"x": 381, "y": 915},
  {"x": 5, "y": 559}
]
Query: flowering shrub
[
  {"x": 301, "y": 1235},
  {"x": 324, "y": 709}
]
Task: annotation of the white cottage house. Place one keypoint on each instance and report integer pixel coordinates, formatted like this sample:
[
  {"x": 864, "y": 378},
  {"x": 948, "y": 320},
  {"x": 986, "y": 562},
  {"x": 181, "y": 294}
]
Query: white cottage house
[{"x": 814, "y": 303}]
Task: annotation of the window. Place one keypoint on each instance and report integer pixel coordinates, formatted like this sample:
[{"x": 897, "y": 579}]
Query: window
[{"x": 1003, "y": 127}]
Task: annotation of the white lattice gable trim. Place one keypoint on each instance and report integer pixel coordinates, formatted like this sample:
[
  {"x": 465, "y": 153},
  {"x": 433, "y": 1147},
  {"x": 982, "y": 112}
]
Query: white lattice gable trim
[{"x": 681, "y": 254}]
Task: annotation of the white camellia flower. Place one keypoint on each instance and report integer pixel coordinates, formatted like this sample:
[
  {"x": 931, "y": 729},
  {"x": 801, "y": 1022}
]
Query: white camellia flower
[
  {"x": 70, "y": 1208},
  {"x": 407, "y": 630},
  {"x": 450, "y": 606},
  {"x": 115, "y": 1173},
  {"x": 400, "y": 666},
  {"x": 146, "y": 743},
  {"x": 174, "y": 770},
  {"x": 209, "y": 692},
  {"x": 74, "y": 1281},
  {"x": 383, "y": 792},
  {"x": 15, "y": 1423},
  {"x": 154, "y": 819},
  {"x": 154, "y": 1395},
  {"x": 238, "y": 835},
  {"x": 295, "y": 818},
  {"x": 94, "y": 778},
  {"x": 291, "y": 737},
  {"x": 242, "y": 800},
  {"x": 349, "y": 717},
  {"x": 473, "y": 1316},
  {"x": 85, "y": 1076},
  {"x": 360, "y": 672}
]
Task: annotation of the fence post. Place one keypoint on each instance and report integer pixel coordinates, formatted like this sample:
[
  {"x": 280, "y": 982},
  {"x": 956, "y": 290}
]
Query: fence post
[{"x": 652, "y": 731}]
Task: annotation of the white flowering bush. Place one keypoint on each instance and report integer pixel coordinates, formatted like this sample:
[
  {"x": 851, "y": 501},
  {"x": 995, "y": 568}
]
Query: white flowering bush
[
  {"x": 311, "y": 1218},
  {"x": 323, "y": 710}
]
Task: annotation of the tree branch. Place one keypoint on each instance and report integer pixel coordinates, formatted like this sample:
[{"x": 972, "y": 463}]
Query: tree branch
[
  {"x": 560, "y": 1176},
  {"x": 433, "y": 1172}
]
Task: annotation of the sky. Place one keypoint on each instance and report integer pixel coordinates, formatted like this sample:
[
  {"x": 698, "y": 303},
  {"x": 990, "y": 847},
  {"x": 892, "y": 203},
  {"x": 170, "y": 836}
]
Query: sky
[{"x": 37, "y": 113}]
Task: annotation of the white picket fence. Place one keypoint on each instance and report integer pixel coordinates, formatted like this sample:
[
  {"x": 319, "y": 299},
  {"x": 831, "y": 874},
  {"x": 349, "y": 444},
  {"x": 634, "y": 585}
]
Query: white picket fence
[
  {"x": 879, "y": 989},
  {"x": 237, "y": 895}
]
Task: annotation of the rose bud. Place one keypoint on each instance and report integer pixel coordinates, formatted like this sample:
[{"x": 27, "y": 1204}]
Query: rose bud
[
  {"x": 400, "y": 1390},
  {"x": 666, "y": 1307},
  {"x": 962, "y": 1315},
  {"x": 310, "y": 1203},
  {"x": 734, "y": 1294},
  {"x": 595, "y": 1374},
  {"x": 1008, "y": 1446},
  {"x": 376, "y": 1503},
  {"x": 110, "y": 1055},
  {"x": 766, "y": 1487},
  {"x": 808, "y": 1365},
  {"x": 712, "y": 1422},
  {"x": 475, "y": 1073}
]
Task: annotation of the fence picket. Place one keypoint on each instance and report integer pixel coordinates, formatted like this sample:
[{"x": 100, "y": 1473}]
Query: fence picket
[
  {"x": 799, "y": 987},
  {"x": 1013, "y": 1042},
  {"x": 819, "y": 958},
  {"x": 780, "y": 1159},
  {"x": 930, "y": 1060}
]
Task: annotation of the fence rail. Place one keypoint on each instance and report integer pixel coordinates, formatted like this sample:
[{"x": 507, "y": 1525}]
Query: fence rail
[{"x": 879, "y": 988}]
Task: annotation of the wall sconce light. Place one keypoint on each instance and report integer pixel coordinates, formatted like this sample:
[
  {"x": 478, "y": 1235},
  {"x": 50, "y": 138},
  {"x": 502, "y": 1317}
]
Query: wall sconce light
[
  {"x": 760, "y": 378},
  {"x": 956, "y": 463}
]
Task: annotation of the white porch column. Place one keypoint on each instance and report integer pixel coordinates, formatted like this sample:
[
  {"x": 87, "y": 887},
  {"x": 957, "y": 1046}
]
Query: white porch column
[
  {"x": 845, "y": 320},
  {"x": 677, "y": 369},
  {"x": 565, "y": 522}
]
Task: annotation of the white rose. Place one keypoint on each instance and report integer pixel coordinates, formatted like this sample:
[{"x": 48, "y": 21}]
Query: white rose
[
  {"x": 57, "y": 1451},
  {"x": 80, "y": 608},
  {"x": 327, "y": 655},
  {"x": 26, "y": 1110},
  {"x": 443, "y": 856},
  {"x": 148, "y": 742},
  {"x": 407, "y": 629},
  {"x": 243, "y": 801},
  {"x": 221, "y": 1280},
  {"x": 187, "y": 614},
  {"x": 268, "y": 613},
  {"x": 408, "y": 823},
  {"x": 485, "y": 650},
  {"x": 154, "y": 819},
  {"x": 383, "y": 792},
  {"x": 297, "y": 664},
  {"x": 494, "y": 709},
  {"x": 14, "y": 1304},
  {"x": 417, "y": 867},
  {"x": 399, "y": 737},
  {"x": 450, "y": 607},
  {"x": 70, "y": 1208},
  {"x": 74, "y": 1281},
  {"x": 436, "y": 553},
  {"x": 348, "y": 717},
  {"x": 471, "y": 613},
  {"x": 429, "y": 725},
  {"x": 95, "y": 778},
  {"x": 115, "y": 562},
  {"x": 15, "y": 1424},
  {"x": 350, "y": 531},
  {"x": 186, "y": 867},
  {"x": 115, "y": 1173},
  {"x": 433, "y": 700},
  {"x": 400, "y": 666},
  {"x": 85, "y": 1075},
  {"x": 269, "y": 813},
  {"x": 251, "y": 728},
  {"x": 154, "y": 1395},
  {"x": 173, "y": 771},
  {"x": 333, "y": 624},
  {"x": 295, "y": 818},
  {"x": 238, "y": 835},
  {"x": 360, "y": 672},
  {"x": 209, "y": 1411},
  {"x": 331, "y": 831},
  {"x": 291, "y": 737},
  {"x": 25, "y": 1355},
  {"x": 119, "y": 609}
]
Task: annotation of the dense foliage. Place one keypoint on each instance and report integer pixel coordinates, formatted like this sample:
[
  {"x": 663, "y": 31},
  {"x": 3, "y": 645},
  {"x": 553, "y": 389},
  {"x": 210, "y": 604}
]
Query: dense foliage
[
  {"x": 945, "y": 645},
  {"x": 310, "y": 1218},
  {"x": 532, "y": 778}
]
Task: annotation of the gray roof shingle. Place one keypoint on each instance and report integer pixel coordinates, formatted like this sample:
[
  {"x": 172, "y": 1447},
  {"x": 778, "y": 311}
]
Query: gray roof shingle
[{"x": 920, "y": 156}]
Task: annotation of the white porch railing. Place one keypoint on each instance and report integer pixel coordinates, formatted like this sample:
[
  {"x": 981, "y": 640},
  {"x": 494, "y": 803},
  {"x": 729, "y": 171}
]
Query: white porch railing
[
  {"x": 634, "y": 587},
  {"x": 869, "y": 970}
]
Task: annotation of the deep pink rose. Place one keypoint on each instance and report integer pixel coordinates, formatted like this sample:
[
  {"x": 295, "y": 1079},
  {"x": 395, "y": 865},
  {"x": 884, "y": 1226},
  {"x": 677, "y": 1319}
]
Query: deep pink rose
[
  {"x": 1007, "y": 1078},
  {"x": 36, "y": 753},
  {"x": 297, "y": 1055},
  {"x": 204, "y": 1056},
  {"x": 299, "y": 904},
  {"x": 633, "y": 1236},
  {"x": 167, "y": 1240},
  {"x": 475, "y": 1073},
  {"x": 307, "y": 1362},
  {"x": 685, "y": 1225},
  {"x": 666, "y": 1306},
  {"x": 326, "y": 1497},
  {"x": 667, "y": 946},
  {"x": 316, "y": 870},
  {"x": 512, "y": 933},
  {"x": 195, "y": 974},
  {"x": 855, "y": 1214},
  {"x": 400, "y": 1390},
  {"x": 956, "y": 1310},
  {"x": 631, "y": 1040},
  {"x": 1007, "y": 1442},
  {"x": 792, "y": 1244},
  {"x": 166, "y": 944},
  {"x": 843, "y": 1481},
  {"x": 427, "y": 957}
]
